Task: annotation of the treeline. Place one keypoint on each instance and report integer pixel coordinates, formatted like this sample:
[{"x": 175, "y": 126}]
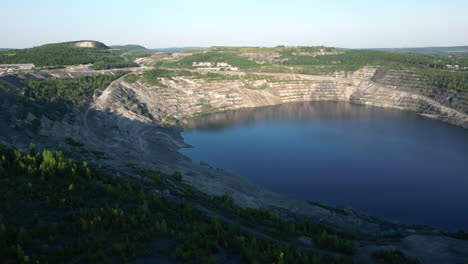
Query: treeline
[
  {"x": 154, "y": 76},
  {"x": 441, "y": 79},
  {"x": 133, "y": 54},
  {"x": 285, "y": 50},
  {"x": 446, "y": 79},
  {"x": 128, "y": 47},
  {"x": 105, "y": 65},
  {"x": 213, "y": 57},
  {"x": 290, "y": 51},
  {"x": 432, "y": 68},
  {"x": 53, "y": 210},
  {"x": 359, "y": 58},
  {"x": 77, "y": 91},
  {"x": 58, "y": 55},
  {"x": 372, "y": 57},
  {"x": 55, "y": 55}
]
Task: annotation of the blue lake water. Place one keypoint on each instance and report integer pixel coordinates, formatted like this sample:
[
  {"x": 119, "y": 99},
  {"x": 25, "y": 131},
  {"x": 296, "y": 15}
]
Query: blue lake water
[{"x": 385, "y": 162}]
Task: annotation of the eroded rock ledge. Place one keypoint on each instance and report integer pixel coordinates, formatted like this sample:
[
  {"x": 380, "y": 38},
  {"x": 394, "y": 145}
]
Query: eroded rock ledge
[{"x": 181, "y": 98}]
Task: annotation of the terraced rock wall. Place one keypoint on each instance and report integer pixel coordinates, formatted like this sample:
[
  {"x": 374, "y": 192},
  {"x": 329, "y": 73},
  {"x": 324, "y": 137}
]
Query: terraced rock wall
[
  {"x": 413, "y": 82},
  {"x": 181, "y": 98}
]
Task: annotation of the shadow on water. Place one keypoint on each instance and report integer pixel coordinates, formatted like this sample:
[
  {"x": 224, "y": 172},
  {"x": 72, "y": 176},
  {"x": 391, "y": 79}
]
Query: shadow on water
[{"x": 292, "y": 111}]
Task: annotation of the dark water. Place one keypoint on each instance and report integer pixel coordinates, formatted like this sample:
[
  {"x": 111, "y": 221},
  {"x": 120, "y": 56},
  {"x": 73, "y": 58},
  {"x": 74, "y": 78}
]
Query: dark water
[{"x": 385, "y": 162}]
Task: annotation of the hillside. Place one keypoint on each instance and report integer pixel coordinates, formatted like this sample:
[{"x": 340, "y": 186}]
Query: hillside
[
  {"x": 434, "y": 69},
  {"x": 429, "y": 50},
  {"x": 175, "y": 49},
  {"x": 79, "y": 43},
  {"x": 122, "y": 220},
  {"x": 68, "y": 53},
  {"x": 128, "y": 47}
]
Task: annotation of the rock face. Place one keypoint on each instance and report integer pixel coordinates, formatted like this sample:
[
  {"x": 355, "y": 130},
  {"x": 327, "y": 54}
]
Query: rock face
[
  {"x": 411, "y": 82},
  {"x": 435, "y": 249},
  {"x": 85, "y": 44},
  {"x": 183, "y": 97}
]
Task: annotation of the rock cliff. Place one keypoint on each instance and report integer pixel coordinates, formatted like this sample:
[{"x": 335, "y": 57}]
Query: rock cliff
[{"x": 180, "y": 98}]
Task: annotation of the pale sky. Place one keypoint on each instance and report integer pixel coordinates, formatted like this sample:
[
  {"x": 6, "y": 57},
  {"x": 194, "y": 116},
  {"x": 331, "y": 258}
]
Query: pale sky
[{"x": 177, "y": 23}]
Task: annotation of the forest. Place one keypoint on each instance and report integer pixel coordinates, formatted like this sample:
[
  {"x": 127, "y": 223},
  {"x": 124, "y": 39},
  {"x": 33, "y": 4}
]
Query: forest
[
  {"x": 78, "y": 91},
  {"x": 214, "y": 57},
  {"x": 70, "y": 209},
  {"x": 372, "y": 57},
  {"x": 61, "y": 55}
]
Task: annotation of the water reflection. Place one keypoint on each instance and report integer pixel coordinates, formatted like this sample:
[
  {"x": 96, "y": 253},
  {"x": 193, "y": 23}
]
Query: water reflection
[
  {"x": 386, "y": 162},
  {"x": 292, "y": 111}
]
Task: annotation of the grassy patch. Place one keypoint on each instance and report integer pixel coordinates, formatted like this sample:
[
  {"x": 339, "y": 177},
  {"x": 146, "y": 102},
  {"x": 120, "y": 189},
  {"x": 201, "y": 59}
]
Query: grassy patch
[
  {"x": 210, "y": 110},
  {"x": 252, "y": 87},
  {"x": 208, "y": 106},
  {"x": 131, "y": 78}
]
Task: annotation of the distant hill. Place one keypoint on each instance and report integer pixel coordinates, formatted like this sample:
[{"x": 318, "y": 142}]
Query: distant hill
[
  {"x": 4, "y": 49},
  {"x": 128, "y": 47},
  {"x": 428, "y": 50},
  {"x": 69, "y": 53},
  {"x": 139, "y": 47},
  {"x": 176, "y": 49},
  {"x": 79, "y": 44}
]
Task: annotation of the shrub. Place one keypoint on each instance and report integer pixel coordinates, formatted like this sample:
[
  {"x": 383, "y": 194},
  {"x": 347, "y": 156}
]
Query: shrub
[
  {"x": 392, "y": 257},
  {"x": 35, "y": 125}
]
